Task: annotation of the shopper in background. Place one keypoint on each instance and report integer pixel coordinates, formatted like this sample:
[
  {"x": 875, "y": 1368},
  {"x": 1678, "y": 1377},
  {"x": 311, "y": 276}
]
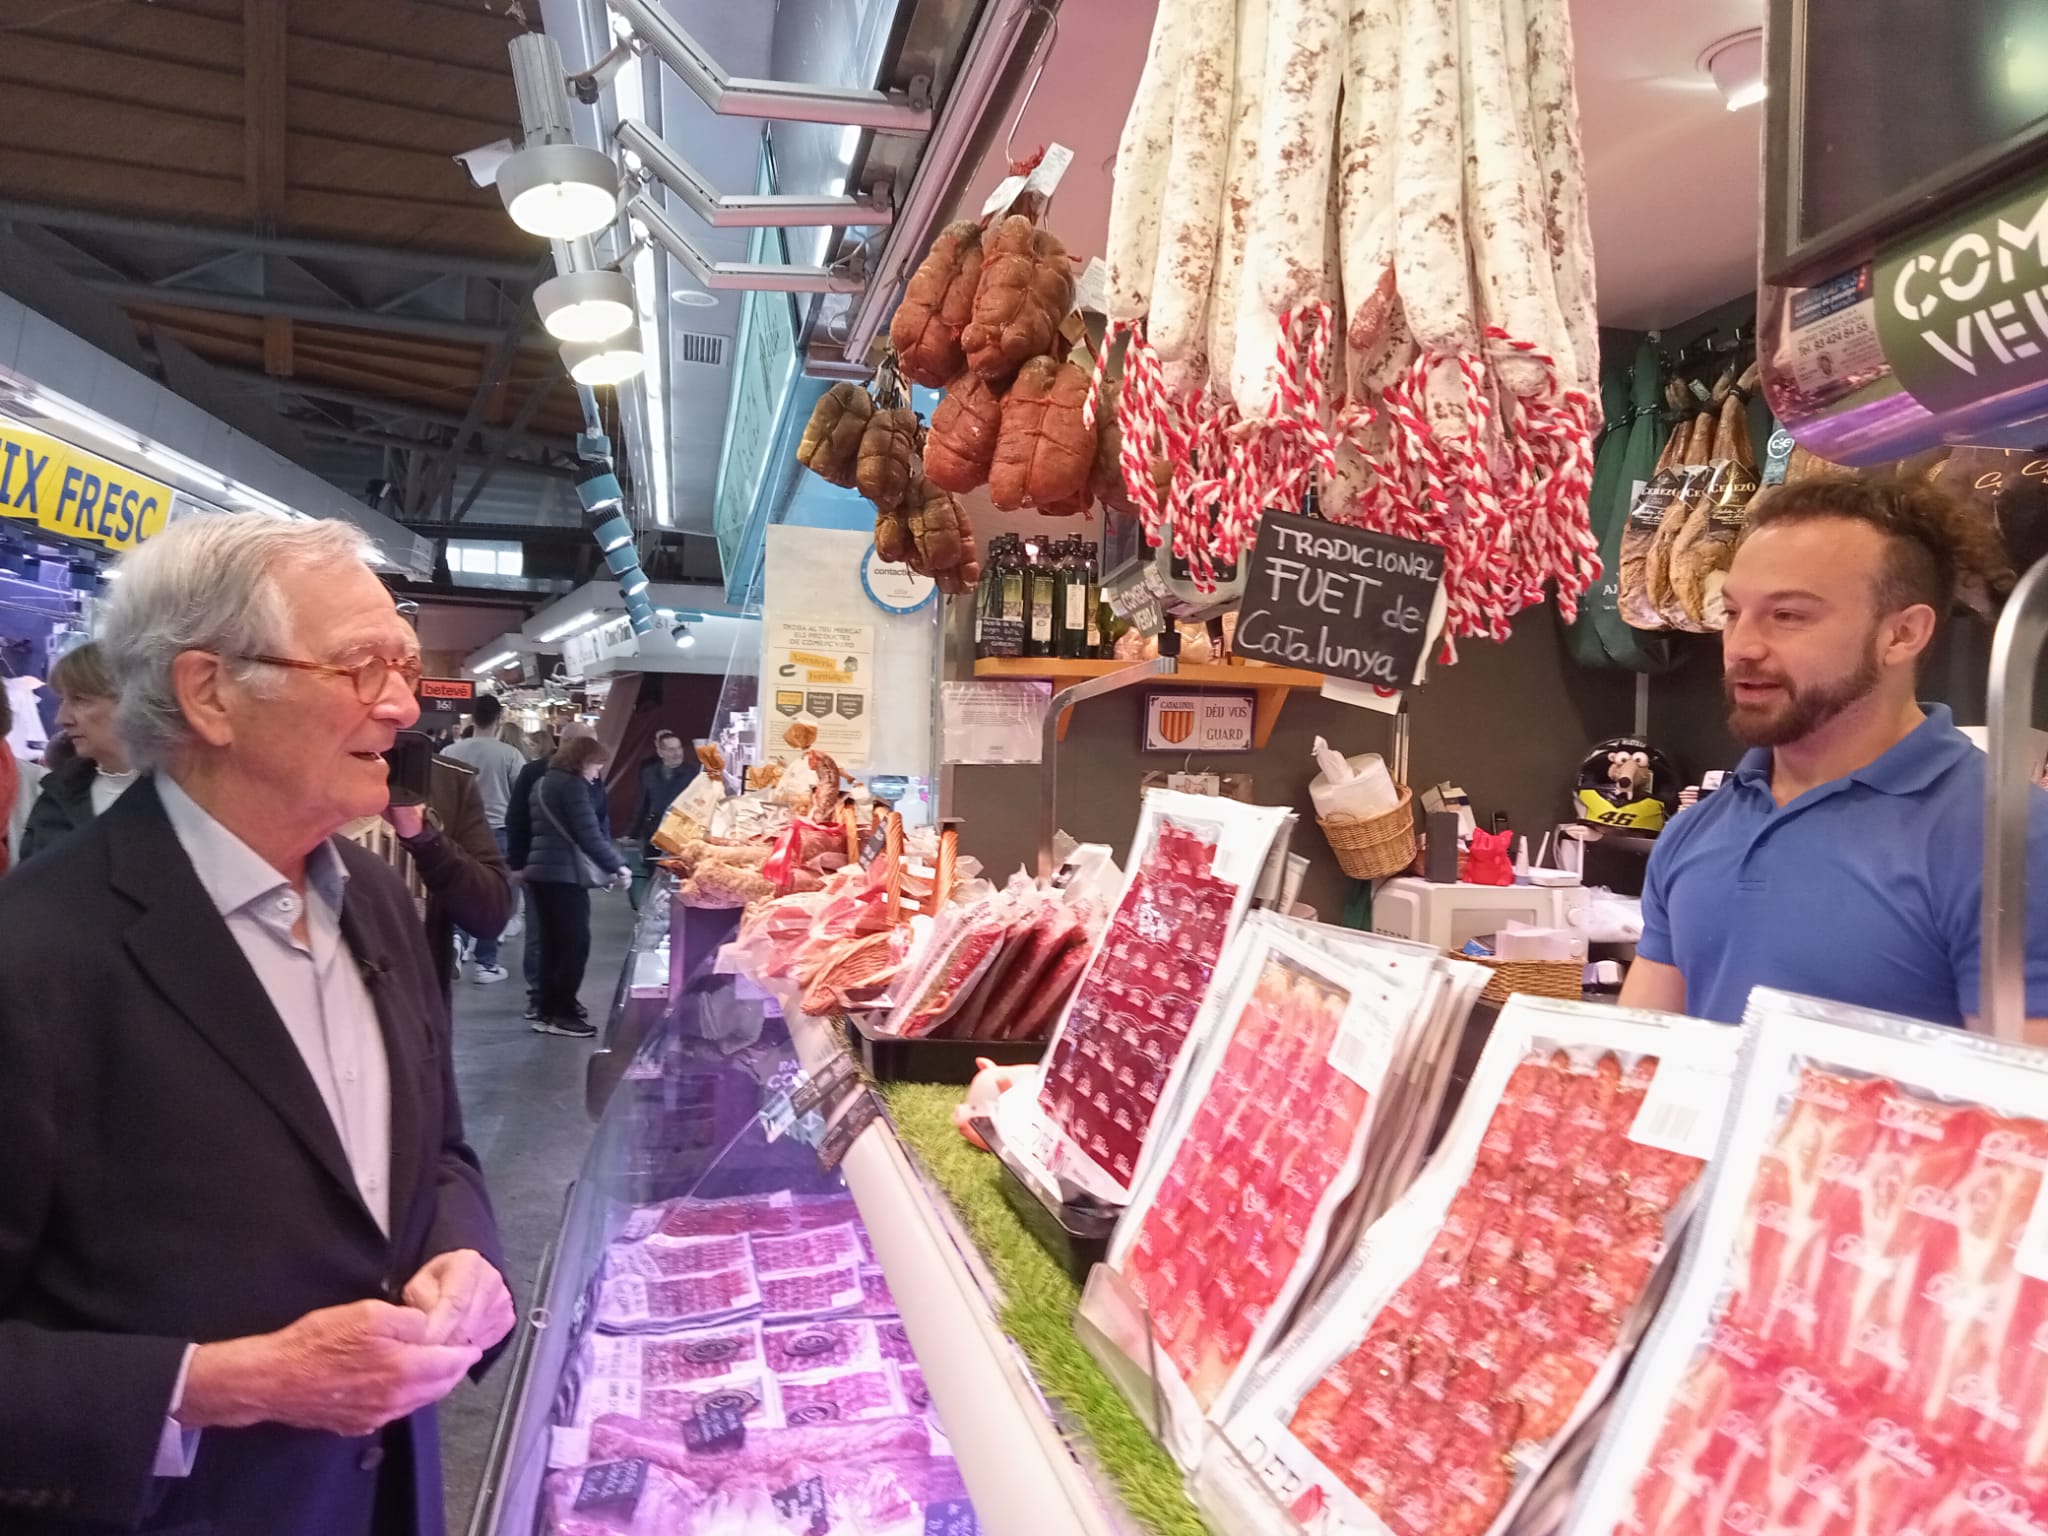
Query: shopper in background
[
  {"x": 662, "y": 777},
  {"x": 1844, "y": 859},
  {"x": 82, "y": 788},
  {"x": 243, "y": 1245},
  {"x": 497, "y": 763},
  {"x": 19, "y": 784},
  {"x": 570, "y": 853}
]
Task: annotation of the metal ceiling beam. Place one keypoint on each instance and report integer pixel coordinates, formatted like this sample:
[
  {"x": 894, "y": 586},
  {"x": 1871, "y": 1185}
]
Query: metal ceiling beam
[
  {"x": 299, "y": 247},
  {"x": 527, "y": 407},
  {"x": 327, "y": 431},
  {"x": 753, "y": 211},
  {"x": 396, "y": 406},
  {"x": 471, "y": 332},
  {"x": 780, "y": 100},
  {"x": 745, "y": 276}
]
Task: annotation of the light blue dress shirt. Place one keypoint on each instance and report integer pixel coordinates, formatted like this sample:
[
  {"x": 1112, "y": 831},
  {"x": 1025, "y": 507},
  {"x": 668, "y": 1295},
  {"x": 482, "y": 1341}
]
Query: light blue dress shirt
[{"x": 318, "y": 993}]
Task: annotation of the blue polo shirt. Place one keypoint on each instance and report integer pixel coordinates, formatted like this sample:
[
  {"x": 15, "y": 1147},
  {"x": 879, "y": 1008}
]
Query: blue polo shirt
[{"x": 1866, "y": 890}]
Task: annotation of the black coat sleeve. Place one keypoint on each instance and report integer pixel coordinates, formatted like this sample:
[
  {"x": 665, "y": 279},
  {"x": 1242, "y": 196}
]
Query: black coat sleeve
[
  {"x": 81, "y": 1412},
  {"x": 50, "y": 820},
  {"x": 580, "y": 818},
  {"x": 460, "y": 862},
  {"x": 519, "y": 814}
]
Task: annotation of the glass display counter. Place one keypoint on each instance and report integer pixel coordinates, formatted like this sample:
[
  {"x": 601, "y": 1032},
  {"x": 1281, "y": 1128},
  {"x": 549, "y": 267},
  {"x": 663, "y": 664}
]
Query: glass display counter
[{"x": 755, "y": 1317}]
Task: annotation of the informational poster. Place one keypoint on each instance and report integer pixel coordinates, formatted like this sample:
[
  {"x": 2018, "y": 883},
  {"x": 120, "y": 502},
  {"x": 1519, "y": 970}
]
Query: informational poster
[
  {"x": 820, "y": 674},
  {"x": 994, "y": 722}
]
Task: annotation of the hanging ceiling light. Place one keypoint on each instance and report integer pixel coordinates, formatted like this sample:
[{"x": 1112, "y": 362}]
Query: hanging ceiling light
[
  {"x": 585, "y": 306},
  {"x": 599, "y": 363},
  {"x": 560, "y": 191},
  {"x": 1737, "y": 65}
]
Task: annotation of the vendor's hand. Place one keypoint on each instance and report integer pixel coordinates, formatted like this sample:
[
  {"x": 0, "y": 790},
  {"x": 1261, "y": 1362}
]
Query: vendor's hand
[
  {"x": 464, "y": 1298},
  {"x": 347, "y": 1370},
  {"x": 409, "y": 821}
]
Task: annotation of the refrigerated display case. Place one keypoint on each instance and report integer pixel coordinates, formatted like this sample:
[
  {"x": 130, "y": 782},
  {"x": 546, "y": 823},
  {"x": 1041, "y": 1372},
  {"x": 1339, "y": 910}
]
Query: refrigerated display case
[{"x": 673, "y": 1292}]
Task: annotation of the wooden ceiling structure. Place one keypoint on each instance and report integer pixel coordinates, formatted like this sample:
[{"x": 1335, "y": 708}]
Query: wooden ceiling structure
[{"x": 273, "y": 184}]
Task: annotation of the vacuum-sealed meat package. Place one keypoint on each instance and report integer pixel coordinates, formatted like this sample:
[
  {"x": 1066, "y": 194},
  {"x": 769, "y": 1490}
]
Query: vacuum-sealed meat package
[
  {"x": 1488, "y": 1311},
  {"x": 631, "y": 1303},
  {"x": 1272, "y": 1112},
  {"x": 1195, "y": 861},
  {"x": 1858, "y": 1341},
  {"x": 666, "y": 1258},
  {"x": 828, "y": 1397},
  {"x": 812, "y": 1292},
  {"x": 625, "y": 1373},
  {"x": 841, "y": 1342},
  {"x": 620, "y": 1498},
  {"x": 812, "y": 1249}
]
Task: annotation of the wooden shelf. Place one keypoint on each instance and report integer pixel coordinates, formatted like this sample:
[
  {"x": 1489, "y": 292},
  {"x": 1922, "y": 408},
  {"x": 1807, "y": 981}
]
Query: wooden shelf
[{"x": 1271, "y": 684}]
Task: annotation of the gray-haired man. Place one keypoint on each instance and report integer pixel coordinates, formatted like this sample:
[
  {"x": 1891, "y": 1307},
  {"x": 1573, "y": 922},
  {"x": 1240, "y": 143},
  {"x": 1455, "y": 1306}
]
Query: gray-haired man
[{"x": 243, "y": 1246}]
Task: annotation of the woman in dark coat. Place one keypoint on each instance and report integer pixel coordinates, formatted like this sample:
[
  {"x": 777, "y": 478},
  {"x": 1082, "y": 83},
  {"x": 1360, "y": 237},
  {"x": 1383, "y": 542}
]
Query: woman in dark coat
[{"x": 568, "y": 852}]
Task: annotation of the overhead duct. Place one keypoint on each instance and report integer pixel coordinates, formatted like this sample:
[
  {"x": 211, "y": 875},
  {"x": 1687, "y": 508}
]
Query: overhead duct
[
  {"x": 759, "y": 277},
  {"x": 748, "y": 211},
  {"x": 788, "y": 101}
]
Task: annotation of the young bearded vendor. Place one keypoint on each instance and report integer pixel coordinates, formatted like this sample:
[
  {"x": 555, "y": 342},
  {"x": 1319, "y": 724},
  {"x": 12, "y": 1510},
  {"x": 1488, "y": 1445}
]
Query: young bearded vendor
[{"x": 1844, "y": 858}]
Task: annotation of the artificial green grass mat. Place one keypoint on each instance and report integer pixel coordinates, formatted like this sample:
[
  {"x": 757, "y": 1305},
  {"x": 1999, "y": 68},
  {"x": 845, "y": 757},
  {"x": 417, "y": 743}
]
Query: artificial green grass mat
[{"x": 1039, "y": 1300}]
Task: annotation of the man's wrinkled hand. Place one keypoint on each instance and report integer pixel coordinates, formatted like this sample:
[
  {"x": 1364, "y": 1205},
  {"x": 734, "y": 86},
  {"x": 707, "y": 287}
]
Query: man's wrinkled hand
[
  {"x": 464, "y": 1299},
  {"x": 346, "y": 1370}
]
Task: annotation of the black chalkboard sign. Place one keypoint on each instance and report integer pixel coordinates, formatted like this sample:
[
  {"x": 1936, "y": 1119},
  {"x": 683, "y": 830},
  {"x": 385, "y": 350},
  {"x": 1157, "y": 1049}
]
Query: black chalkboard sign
[{"x": 1341, "y": 601}]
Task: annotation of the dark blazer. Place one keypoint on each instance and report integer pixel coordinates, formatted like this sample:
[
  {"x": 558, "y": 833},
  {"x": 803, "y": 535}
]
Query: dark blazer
[
  {"x": 551, "y": 857},
  {"x": 168, "y": 1174},
  {"x": 62, "y": 808},
  {"x": 658, "y": 791}
]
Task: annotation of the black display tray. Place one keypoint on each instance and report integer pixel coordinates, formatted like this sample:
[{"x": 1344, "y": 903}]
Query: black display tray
[
  {"x": 1076, "y": 1235},
  {"x": 890, "y": 1060}
]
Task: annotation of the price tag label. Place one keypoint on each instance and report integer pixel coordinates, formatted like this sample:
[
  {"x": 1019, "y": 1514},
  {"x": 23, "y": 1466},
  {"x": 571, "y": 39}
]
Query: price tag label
[
  {"x": 861, "y": 1112},
  {"x": 955, "y": 1517},
  {"x": 1681, "y": 1112},
  {"x": 823, "y": 1089},
  {"x": 804, "y": 1505},
  {"x": 716, "y": 1427},
  {"x": 612, "y": 1485},
  {"x": 777, "y": 1116}
]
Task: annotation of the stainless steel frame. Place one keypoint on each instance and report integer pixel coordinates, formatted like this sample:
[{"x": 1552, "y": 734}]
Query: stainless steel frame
[
  {"x": 2002, "y": 951},
  {"x": 751, "y": 210},
  {"x": 889, "y": 111},
  {"x": 1049, "y": 756},
  {"x": 763, "y": 277}
]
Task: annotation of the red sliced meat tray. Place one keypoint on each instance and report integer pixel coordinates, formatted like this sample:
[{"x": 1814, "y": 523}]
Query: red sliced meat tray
[
  {"x": 838, "y": 1397},
  {"x": 808, "y": 1293}
]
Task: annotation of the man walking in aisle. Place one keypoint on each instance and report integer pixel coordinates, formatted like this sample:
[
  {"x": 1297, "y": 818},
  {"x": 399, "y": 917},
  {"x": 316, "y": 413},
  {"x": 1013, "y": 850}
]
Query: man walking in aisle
[
  {"x": 244, "y": 1248},
  {"x": 497, "y": 763},
  {"x": 1844, "y": 859}
]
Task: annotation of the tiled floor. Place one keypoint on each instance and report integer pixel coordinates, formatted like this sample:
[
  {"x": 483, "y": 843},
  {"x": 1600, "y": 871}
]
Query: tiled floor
[{"x": 522, "y": 1101}]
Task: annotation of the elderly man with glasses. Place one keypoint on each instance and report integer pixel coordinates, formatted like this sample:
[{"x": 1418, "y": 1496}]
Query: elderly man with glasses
[{"x": 243, "y": 1245}]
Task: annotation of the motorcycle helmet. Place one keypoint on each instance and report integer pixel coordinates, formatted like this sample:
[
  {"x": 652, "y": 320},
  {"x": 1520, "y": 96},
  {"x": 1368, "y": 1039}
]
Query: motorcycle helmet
[{"x": 1628, "y": 785}]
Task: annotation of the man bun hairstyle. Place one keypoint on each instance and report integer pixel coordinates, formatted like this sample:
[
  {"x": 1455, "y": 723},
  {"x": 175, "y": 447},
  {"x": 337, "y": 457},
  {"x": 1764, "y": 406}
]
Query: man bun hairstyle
[{"x": 1937, "y": 546}]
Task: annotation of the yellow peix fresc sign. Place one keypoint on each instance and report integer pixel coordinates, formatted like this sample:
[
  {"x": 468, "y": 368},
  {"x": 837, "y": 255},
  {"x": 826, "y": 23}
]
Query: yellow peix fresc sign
[{"x": 76, "y": 494}]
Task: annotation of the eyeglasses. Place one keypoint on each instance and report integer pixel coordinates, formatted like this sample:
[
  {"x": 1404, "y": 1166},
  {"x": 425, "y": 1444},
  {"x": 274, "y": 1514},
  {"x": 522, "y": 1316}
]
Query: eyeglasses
[{"x": 370, "y": 676}]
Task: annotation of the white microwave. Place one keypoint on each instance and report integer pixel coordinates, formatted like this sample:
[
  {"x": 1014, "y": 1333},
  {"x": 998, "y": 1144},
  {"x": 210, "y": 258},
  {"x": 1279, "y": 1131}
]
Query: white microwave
[{"x": 1446, "y": 917}]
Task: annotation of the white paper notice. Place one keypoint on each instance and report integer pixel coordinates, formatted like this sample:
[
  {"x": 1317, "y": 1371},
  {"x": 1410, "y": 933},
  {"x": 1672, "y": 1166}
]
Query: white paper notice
[
  {"x": 994, "y": 722},
  {"x": 820, "y": 674}
]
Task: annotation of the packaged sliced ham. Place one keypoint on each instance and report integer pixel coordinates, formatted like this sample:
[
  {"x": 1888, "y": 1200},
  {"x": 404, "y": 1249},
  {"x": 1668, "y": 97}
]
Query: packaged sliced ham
[
  {"x": 829, "y": 1343},
  {"x": 620, "y": 1498},
  {"x": 1272, "y": 1110},
  {"x": 1485, "y": 1315},
  {"x": 664, "y": 1258},
  {"x": 830, "y": 1397},
  {"x": 813, "y": 1249},
  {"x": 1857, "y": 1340},
  {"x": 636, "y": 1303},
  {"x": 715, "y": 1218},
  {"x": 1195, "y": 862},
  {"x": 625, "y": 1375},
  {"x": 812, "y": 1292}
]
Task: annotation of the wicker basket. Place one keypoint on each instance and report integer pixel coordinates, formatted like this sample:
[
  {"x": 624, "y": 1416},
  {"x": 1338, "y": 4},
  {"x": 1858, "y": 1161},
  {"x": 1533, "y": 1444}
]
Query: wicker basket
[
  {"x": 1373, "y": 847},
  {"x": 1539, "y": 978}
]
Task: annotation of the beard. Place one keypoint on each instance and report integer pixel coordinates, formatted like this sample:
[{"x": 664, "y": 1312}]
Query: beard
[{"x": 1798, "y": 709}]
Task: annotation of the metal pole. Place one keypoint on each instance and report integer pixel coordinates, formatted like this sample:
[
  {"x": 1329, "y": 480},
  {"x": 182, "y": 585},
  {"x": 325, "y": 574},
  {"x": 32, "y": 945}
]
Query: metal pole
[
  {"x": 754, "y": 276},
  {"x": 773, "y": 210},
  {"x": 2002, "y": 948},
  {"x": 1049, "y": 754}
]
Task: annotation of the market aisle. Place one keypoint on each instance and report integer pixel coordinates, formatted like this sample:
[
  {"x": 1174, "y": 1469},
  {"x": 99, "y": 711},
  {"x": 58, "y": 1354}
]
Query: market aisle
[{"x": 522, "y": 1101}]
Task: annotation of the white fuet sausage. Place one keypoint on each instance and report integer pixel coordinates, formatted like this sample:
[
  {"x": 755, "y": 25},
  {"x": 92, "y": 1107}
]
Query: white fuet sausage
[
  {"x": 1240, "y": 187},
  {"x": 1367, "y": 127},
  {"x": 1192, "y": 213},
  {"x": 1502, "y": 207},
  {"x": 1431, "y": 261},
  {"x": 1136, "y": 196},
  {"x": 1568, "y": 229},
  {"x": 1284, "y": 251}
]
